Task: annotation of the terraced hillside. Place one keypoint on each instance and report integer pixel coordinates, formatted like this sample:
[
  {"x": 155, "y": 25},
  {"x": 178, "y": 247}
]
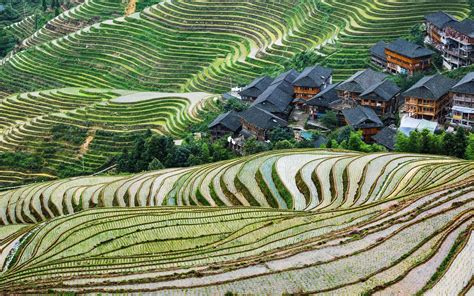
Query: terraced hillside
[
  {"x": 373, "y": 224},
  {"x": 210, "y": 45},
  {"x": 83, "y": 128}
]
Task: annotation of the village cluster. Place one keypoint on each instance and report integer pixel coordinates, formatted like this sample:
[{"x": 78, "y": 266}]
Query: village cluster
[{"x": 368, "y": 101}]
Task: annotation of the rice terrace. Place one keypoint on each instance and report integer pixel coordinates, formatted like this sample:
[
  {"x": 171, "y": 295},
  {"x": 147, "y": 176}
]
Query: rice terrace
[{"x": 222, "y": 147}]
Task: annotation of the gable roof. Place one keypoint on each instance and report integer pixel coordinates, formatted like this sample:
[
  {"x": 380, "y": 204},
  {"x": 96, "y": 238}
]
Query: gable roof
[
  {"x": 288, "y": 76},
  {"x": 362, "y": 117},
  {"x": 325, "y": 97},
  {"x": 262, "y": 119},
  {"x": 440, "y": 19},
  {"x": 430, "y": 87},
  {"x": 409, "y": 49},
  {"x": 276, "y": 98},
  {"x": 256, "y": 87},
  {"x": 315, "y": 76},
  {"x": 386, "y": 137},
  {"x": 385, "y": 90},
  {"x": 361, "y": 81},
  {"x": 465, "y": 85},
  {"x": 465, "y": 27},
  {"x": 378, "y": 50},
  {"x": 230, "y": 120}
]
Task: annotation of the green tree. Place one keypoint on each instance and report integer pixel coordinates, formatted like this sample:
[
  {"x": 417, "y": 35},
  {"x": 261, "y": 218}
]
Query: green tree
[
  {"x": 280, "y": 134},
  {"x": 252, "y": 146},
  {"x": 155, "y": 165},
  {"x": 470, "y": 148},
  {"x": 460, "y": 143},
  {"x": 329, "y": 119},
  {"x": 284, "y": 144}
]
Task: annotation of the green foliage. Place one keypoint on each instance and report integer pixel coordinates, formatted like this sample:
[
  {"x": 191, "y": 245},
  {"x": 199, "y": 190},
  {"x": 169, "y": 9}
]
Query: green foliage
[
  {"x": 405, "y": 81},
  {"x": 7, "y": 42},
  {"x": 154, "y": 152},
  {"x": 417, "y": 34},
  {"x": 284, "y": 144},
  {"x": 235, "y": 105},
  {"x": 346, "y": 138},
  {"x": 281, "y": 134},
  {"x": 451, "y": 144},
  {"x": 470, "y": 148},
  {"x": 69, "y": 133},
  {"x": 22, "y": 160},
  {"x": 329, "y": 119},
  {"x": 252, "y": 146},
  {"x": 298, "y": 62}
]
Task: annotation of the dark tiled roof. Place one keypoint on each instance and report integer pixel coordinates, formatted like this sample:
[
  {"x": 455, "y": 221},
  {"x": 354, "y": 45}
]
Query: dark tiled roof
[
  {"x": 262, "y": 119},
  {"x": 325, "y": 97},
  {"x": 440, "y": 19},
  {"x": 430, "y": 87},
  {"x": 466, "y": 27},
  {"x": 384, "y": 90},
  {"x": 321, "y": 140},
  {"x": 361, "y": 81},
  {"x": 256, "y": 87},
  {"x": 230, "y": 120},
  {"x": 378, "y": 50},
  {"x": 386, "y": 137},
  {"x": 362, "y": 117},
  {"x": 409, "y": 49},
  {"x": 315, "y": 76},
  {"x": 276, "y": 98},
  {"x": 288, "y": 76},
  {"x": 465, "y": 85}
]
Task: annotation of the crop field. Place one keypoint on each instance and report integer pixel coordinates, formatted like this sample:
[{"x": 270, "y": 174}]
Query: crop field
[
  {"x": 103, "y": 122},
  {"x": 205, "y": 45},
  {"x": 395, "y": 223}
]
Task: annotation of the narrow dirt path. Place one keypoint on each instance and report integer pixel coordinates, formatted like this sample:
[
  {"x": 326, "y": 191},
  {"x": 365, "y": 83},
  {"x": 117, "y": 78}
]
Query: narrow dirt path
[{"x": 131, "y": 7}]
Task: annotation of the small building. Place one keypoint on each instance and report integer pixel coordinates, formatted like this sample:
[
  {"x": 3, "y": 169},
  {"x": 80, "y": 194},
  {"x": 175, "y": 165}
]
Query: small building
[
  {"x": 387, "y": 138},
  {"x": 258, "y": 122},
  {"x": 227, "y": 124},
  {"x": 409, "y": 124},
  {"x": 255, "y": 88},
  {"x": 364, "y": 119},
  {"x": 377, "y": 54},
  {"x": 462, "y": 111},
  {"x": 311, "y": 81},
  {"x": 435, "y": 24},
  {"x": 381, "y": 97},
  {"x": 277, "y": 99},
  {"x": 321, "y": 102},
  {"x": 429, "y": 98},
  {"x": 459, "y": 46},
  {"x": 405, "y": 57},
  {"x": 359, "y": 83}
]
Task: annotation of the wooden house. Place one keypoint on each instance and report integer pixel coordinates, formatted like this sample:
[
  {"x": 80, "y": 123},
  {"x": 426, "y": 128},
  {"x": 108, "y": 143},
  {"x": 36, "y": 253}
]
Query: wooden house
[
  {"x": 429, "y": 98},
  {"x": 405, "y": 57},
  {"x": 364, "y": 119},
  {"x": 462, "y": 94},
  {"x": 227, "y": 124},
  {"x": 382, "y": 97},
  {"x": 435, "y": 24},
  {"x": 310, "y": 82},
  {"x": 258, "y": 123},
  {"x": 255, "y": 88}
]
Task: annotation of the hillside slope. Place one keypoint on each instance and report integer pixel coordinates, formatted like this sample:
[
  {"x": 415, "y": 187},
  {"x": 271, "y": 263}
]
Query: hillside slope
[
  {"x": 81, "y": 129},
  {"x": 210, "y": 45},
  {"x": 374, "y": 224}
]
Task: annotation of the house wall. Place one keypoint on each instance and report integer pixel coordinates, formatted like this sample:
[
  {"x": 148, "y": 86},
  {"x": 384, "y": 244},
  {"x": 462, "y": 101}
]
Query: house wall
[
  {"x": 306, "y": 92},
  {"x": 428, "y": 109},
  {"x": 219, "y": 131},
  {"x": 395, "y": 60},
  {"x": 259, "y": 134}
]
